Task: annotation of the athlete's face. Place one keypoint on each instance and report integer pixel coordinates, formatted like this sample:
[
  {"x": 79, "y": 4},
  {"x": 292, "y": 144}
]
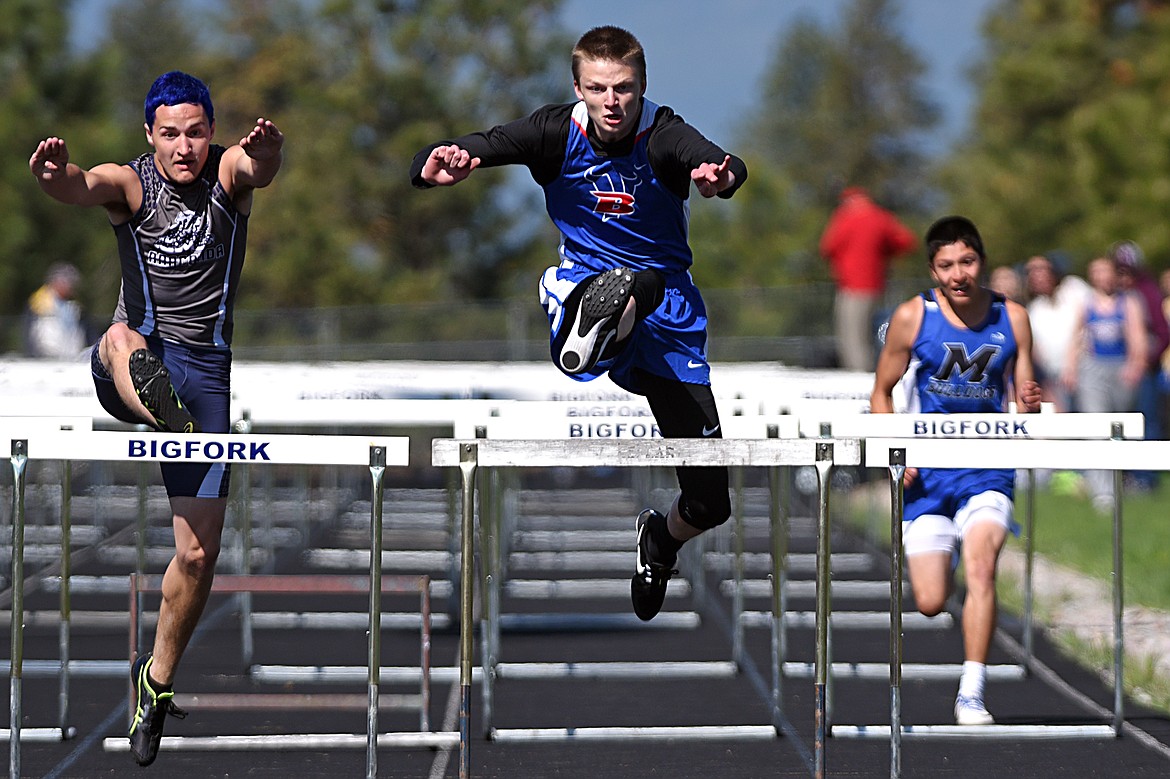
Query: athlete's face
[
  {"x": 181, "y": 137},
  {"x": 956, "y": 268},
  {"x": 612, "y": 92},
  {"x": 1102, "y": 275}
]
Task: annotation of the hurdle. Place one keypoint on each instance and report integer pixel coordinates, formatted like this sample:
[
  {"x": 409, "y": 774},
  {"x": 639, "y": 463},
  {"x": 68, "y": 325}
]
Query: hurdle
[
  {"x": 554, "y": 420},
  {"x": 376, "y": 453},
  {"x": 1117, "y": 453},
  {"x": 470, "y": 455},
  {"x": 1048, "y": 425}
]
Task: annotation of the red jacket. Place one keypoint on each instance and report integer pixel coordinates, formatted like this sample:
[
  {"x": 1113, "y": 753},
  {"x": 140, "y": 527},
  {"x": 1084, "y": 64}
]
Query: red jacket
[{"x": 859, "y": 242}]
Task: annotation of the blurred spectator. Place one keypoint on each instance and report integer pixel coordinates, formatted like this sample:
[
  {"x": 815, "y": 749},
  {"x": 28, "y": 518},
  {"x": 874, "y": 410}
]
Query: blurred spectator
[
  {"x": 859, "y": 242},
  {"x": 1108, "y": 358},
  {"x": 53, "y": 326},
  {"x": 1005, "y": 280},
  {"x": 1132, "y": 275},
  {"x": 1055, "y": 303}
]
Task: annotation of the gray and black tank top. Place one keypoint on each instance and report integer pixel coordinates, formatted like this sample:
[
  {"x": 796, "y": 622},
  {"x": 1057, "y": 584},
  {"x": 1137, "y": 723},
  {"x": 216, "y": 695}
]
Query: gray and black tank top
[{"x": 181, "y": 257}]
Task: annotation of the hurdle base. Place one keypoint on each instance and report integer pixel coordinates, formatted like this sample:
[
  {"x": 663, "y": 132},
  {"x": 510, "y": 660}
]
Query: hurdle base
[
  {"x": 39, "y": 735},
  {"x": 665, "y": 733},
  {"x": 1012, "y": 732},
  {"x": 307, "y": 742},
  {"x": 932, "y": 671}
]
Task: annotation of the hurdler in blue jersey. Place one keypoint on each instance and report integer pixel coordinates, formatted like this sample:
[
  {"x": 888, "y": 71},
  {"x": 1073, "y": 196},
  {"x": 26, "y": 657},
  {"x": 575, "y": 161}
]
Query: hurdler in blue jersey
[
  {"x": 180, "y": 216},
  {"x": 963, "y": 349},
  {"x": 617, "y": 171}
]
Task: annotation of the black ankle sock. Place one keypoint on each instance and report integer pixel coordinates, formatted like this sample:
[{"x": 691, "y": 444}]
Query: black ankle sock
[
  {"x": 159, "y": 689},
  {"x": 663, "y": 546}
]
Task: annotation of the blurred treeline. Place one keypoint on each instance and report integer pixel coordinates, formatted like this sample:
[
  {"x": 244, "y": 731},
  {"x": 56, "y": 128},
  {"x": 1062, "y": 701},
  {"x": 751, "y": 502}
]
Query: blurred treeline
[{"x": 1069, "y": 146}]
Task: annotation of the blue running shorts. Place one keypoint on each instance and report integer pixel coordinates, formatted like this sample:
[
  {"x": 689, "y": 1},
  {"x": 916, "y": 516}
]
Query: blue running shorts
[
  {"x": 671, "y": 342},
  {"x": 202, "y": 379}
]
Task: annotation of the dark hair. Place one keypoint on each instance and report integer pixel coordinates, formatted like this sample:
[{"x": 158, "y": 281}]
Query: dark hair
[
  {"x": 953, "y": 229},
  {"x": 612, "y": 44},
  {"x": 176, "y": 88}
]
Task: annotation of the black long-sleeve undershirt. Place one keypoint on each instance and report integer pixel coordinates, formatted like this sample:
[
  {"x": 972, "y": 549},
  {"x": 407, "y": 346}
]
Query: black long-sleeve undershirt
[{"x": 538, "y": 142}]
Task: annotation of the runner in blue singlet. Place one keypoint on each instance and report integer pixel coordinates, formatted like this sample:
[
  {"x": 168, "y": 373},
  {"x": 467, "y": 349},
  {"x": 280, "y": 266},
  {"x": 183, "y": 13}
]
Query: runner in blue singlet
[
  {"x": 972, "y": 350},
  {"x": 617, "y": 171}
]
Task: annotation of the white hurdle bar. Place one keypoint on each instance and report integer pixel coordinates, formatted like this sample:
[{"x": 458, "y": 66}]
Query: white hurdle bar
[
  {"x": 374, "y": 452},
  {"x": 469, "y": 455},
  {"x": 16, "y": 427},
  {"x": 1119, "y": 455}
]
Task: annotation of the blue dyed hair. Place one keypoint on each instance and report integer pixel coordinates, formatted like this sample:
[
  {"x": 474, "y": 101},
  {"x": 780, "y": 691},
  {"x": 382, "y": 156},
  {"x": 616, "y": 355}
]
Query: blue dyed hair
[{"x": 177, "y": 88}]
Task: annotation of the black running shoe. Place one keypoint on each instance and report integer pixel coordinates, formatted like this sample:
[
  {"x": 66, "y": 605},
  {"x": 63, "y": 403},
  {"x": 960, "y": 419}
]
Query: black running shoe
[
  {"x": 596, "y": 320},
  {"x": 152, "y": 382},
  {"x": 648, "y": 585},
  {"x": 150, "y": 713}
]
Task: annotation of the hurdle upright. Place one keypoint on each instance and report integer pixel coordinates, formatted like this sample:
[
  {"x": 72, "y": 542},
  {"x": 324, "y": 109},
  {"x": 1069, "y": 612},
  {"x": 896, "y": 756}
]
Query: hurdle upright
[
  {"x": 376, "y": 453},
  {"x": 12, "y": 429},
  {"x": 469, "y": 455}
]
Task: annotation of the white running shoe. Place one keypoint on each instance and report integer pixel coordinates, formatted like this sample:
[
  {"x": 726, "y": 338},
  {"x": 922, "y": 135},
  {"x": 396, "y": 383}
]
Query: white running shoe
[{"x": 971, "y": 711}]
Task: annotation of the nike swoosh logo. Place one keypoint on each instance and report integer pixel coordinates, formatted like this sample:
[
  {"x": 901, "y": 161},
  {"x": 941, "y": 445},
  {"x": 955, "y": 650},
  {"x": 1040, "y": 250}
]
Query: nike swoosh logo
[
  {"x": 693, "y": 364},
  {"x": 710, "y": 432}
]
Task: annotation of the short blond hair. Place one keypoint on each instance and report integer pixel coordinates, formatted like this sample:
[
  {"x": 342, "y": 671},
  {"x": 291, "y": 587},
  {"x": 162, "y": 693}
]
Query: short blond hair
[{"x": 609, "y": 44}]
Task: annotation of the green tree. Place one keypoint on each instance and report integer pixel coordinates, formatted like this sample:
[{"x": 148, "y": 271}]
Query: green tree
[
  {"x": 37, "y": 92},
  {"x": 838, "y": 106},
  {"x": 1071, "y": 143}
]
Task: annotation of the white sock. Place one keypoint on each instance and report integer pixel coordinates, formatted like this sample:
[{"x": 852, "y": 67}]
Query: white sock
[{"x": 972, "y": 681}]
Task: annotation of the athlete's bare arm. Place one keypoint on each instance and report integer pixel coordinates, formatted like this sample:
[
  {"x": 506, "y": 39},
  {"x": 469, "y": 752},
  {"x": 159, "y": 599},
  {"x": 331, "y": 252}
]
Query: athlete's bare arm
[
  {"x": 108, "y": 185},
  {"x": 1028, "y": 391},
  {"x": 254, "y": 162},
  {"x": 895, "y": 356},
  {"x": 894, "y": 360},
  {"x": 448, "y": 165}
]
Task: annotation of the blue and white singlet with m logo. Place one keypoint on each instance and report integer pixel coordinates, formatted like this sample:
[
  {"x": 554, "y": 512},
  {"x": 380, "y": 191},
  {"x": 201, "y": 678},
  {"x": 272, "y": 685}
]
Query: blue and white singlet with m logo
[{"x": 960, "y": 370}]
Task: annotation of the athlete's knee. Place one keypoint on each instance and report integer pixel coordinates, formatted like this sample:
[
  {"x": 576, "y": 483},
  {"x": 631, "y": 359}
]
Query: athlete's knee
[
  {"x": 706, "y": 512},
  {"x": 119, "y": 342},
  {"x": 930, "y": 604},
  {"x": 197, "y": 562}
]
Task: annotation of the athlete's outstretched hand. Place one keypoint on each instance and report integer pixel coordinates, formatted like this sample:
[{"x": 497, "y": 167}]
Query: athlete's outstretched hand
[
  {"x": 49, "y": 160},
  {"x": 448, "y": 165},
  {"x": 264, "y": 142},
  {"x": 711, "y": 179}
]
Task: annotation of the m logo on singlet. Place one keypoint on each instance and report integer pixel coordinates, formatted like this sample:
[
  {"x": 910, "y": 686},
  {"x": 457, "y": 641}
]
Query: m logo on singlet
[
  {"x": 614, "y": 193},
  {"x": 971, "y": 367}
]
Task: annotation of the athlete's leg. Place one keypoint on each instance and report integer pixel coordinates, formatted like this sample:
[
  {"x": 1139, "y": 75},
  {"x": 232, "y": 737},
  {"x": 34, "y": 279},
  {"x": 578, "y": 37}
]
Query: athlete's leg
[
  {"x": 685, "y": 410},
  {"x": 198, "y": 523},
  {"x": 114, "y": 350},
  {"x": 143, "y": 381},
  {"x": 930, "y": 542},
  {"x": 681, "y": 411},
  {"x": 982, "y": 544}
]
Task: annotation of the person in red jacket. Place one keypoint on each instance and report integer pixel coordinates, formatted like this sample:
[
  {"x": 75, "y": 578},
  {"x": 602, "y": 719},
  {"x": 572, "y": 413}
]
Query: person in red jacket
[{"x": 859, "y": 242}]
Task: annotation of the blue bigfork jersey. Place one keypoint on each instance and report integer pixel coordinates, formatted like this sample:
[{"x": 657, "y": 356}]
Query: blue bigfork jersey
[
  {"x": 613, "y": 210},
  {"x": 960, "y": 371}
]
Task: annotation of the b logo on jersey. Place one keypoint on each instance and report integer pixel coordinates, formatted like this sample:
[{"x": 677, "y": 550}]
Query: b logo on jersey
[
  {"x": 971, "y": 367},
  {"x": 614, "y": 192}
]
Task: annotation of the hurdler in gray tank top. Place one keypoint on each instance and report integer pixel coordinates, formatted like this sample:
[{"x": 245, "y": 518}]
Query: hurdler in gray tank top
[{"x": 181, "y": 257}]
